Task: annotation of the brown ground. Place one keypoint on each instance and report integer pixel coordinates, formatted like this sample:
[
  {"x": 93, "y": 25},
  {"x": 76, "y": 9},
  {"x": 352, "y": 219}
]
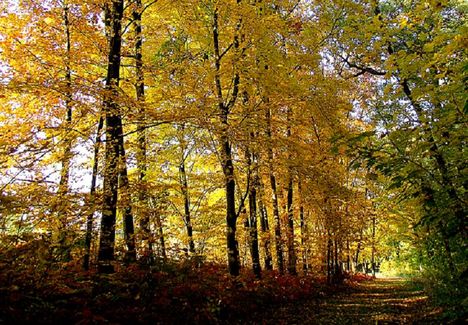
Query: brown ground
[{"x": 382, "y": 301}]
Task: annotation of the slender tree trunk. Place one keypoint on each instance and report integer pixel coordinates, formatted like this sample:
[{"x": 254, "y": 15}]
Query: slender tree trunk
[
  {"x": 264, "y": 226},
  {"x": 226, "y": 151},
  {"x": 231, "y": 215},
  {"x": 92, "y": 195},
  {"x": 113, "y": 120},
  {"x": 348, "y": 257},
  {"x": 276, "y": 216},
  {"x": 291, "y": 246},
  {"x": 358, "y": 250},
  {"x": 252, "y": 220},
  {"x": 141, "y": 154},
  {"x": 373, "y": 246},
  {"x": 62, "y": 234},
  {"x": 303, "y": 228},
  {"x": 337, "y": 271},
  {"x": 160, "y": 232},
  {"x": 290, "y": 208},
  {"x": 185, "y": 193},
  {"x": 128, "y": 225},
  {"x": 65, "y": 171},
  {"x": 187, "y": 213},
  {"x": 329, "y": 258}
]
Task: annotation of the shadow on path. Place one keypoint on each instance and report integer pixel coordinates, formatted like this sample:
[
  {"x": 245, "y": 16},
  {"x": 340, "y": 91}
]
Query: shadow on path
[{"x": 381, "y": 301}]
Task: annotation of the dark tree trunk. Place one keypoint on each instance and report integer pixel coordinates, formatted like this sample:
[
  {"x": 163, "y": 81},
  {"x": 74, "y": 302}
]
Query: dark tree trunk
[
  {"x": 128, "y": 225},
  {"x": 141, "y": 154},
  {"x": 264, "y": 226},
  {"x": 162, "y": 243},
  {"x": 329, "y": 258},
  {"x": 291, "y": 248},
  {"x": 226, "y": 150},
  {"x": 276, "y": 217},
  {"x": 337, "y": 271},
  {"x": 92, "y": 195},
  {"x": 187, "y": 214},
  {"x": 252, "y": 220},
  {"x": 113, "y": 120},
  {"x": 373, "y": 246},
  {"x": 185, "y": 193},
  {"x": 63, "y": 211},
  {"x": 290, "y": 209},
  {"x": 348, "y": 257},
  {"x": 231, "y": 215},
  {"x": 358, "y": 250},
  {"x": 303, "y": 228},
  {"x": 65, "y": 171}
]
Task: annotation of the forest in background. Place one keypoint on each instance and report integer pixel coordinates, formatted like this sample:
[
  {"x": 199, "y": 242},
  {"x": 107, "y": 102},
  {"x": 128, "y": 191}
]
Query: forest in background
[{"x": 313, "y": 138}]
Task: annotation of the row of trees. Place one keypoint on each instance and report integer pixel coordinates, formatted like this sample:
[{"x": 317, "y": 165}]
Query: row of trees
[
  {"x": 419, "y": 108},
  {"x": 158, "y": 118}
]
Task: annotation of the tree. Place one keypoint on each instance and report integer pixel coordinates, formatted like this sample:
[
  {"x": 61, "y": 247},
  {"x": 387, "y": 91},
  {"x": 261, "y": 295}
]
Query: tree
[
  {"x": 113, "y": 122},
  {"x": 413, "y": 60}
]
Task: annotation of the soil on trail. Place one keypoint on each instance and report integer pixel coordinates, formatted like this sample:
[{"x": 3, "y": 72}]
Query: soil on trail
[{"x": 381, "y": 301}]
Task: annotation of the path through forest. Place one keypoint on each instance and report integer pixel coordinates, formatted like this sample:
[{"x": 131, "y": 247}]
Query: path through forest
[{"x": 382, "y": 301}]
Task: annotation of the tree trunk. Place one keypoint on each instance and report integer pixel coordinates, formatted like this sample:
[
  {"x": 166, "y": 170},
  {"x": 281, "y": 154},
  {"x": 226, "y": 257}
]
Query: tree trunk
[
  {"x": 231, "y": 215},
  {"x": 264, "y": 226},
  {"x": 291, "y": 248},
  {"x": 113, "y": 120},
  {"x": 329, "y": 258},
  {"x": 62, "y": 236},
  {"x": 253, "y": 232},
  {"x": 65, "y": 171},
  {"x": 358, "y": 250},
  {"x": 303, "y": 228},
  {"x": 92, "y": 195},
  {"x": 226, "y": 151},
  {"x": 128, "y": 225},
  {"x": 290, "y": 209},
  {"x": 348, "y": 257},
  {"x": 185, "y": 193},
  {"x": 141, "y": 154},
  {"x": 276, "y": 217},
  {"x": 373, "y": 246},
  {"x": 160, "y": 232}
]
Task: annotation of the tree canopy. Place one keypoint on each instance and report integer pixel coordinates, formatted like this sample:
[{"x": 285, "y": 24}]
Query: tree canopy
[{"x": 320, "y": 137}]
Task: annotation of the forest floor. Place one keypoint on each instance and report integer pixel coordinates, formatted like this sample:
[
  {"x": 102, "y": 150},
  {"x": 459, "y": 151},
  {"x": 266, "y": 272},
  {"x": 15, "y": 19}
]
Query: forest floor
[
  {"x": 191, "y": 294},
  {"x": 379, "y": 301}
]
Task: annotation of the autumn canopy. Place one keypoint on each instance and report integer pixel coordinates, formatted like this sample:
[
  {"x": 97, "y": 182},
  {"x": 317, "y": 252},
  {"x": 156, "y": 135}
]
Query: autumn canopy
[{"x": 320, "y": 137}]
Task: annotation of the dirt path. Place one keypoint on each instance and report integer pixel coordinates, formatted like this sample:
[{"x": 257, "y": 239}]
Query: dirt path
[{"x": 382, "y": 301}]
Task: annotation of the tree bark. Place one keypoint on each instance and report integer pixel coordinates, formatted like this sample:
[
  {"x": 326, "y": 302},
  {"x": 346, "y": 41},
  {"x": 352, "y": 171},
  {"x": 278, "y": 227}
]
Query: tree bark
[
  {"x": 65, "y": 171},
  {"x": 226, "y": 151},
  {"x": 290, "y": 210},
  {"x": 128, "y": 225},
  {"x": 264, "y": 226},
  {"x": 112, "y": 149},
  {"x": 141, "y": 154},
  {"x": 329, "y": 258},
  {"x": 185, "y": 193},
  {"x": 303, "y": 227},
  {"x": 62, "y": 235},
  {"x": 92, "y": 195},
  {"x": 276, "y": 217},
  {"x": 252, "y": 220},
  {"x": 162, "y": 242},
  {"x": 373, "y": 245},
  {"x": 291, "y": 247}
]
